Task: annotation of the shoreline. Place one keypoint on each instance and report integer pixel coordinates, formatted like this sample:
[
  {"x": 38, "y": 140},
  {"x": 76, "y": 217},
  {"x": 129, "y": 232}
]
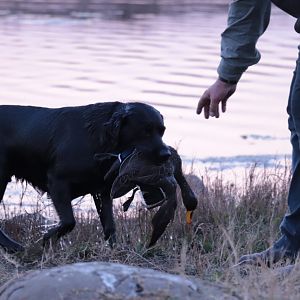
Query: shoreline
[{"x": 122, "y": 9}]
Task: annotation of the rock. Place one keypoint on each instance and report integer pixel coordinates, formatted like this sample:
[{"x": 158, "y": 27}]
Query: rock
[
  {"x": 97, "y": 280},
  {"x": 196, "y": 183}
]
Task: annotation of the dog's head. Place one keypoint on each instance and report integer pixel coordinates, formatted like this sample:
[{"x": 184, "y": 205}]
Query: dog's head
[{"x": 138, "y": 126}]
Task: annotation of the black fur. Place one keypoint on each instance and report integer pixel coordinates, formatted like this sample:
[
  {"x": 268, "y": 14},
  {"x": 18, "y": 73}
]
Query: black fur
[{"x": 53, "y": 150}]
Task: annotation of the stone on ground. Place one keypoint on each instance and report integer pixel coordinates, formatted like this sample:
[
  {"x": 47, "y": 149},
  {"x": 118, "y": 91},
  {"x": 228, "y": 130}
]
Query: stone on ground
[{"x": 97, "y": 280}]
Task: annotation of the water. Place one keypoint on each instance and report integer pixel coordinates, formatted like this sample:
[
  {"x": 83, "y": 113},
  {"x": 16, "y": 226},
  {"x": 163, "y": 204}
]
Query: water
[
  {"x": 164, "y": 60},
  {"x": 167, "y": 61}
]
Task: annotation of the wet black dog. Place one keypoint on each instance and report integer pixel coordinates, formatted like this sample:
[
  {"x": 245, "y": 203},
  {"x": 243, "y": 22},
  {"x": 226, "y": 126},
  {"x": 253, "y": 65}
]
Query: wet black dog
[{"x": 53, "y": 150}]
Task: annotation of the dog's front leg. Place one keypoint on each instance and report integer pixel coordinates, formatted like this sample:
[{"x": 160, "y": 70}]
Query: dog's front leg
[
  {"x": 5, "y": 241},
  {"x": 104, "y": 206},
  {"x": 60, "y": 194}
]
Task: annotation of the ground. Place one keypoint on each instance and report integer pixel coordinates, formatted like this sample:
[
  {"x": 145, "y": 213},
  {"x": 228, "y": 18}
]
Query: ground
[{"x": 231, "y": 220}]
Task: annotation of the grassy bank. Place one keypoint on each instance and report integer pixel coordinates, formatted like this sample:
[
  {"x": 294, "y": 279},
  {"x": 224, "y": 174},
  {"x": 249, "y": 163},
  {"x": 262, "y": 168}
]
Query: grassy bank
[{"x": 230, "y": 220}]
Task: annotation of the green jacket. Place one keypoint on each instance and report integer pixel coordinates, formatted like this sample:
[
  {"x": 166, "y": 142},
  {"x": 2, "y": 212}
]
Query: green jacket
[{"x": 247, "y": 21}]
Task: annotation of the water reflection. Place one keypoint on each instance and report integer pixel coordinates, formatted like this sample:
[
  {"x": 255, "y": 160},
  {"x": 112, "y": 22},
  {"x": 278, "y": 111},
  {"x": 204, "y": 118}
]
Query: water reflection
[{"x": 164, "y": 60}]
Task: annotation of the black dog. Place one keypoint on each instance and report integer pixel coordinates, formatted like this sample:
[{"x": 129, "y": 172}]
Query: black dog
[{"x": 53, "y": 150}]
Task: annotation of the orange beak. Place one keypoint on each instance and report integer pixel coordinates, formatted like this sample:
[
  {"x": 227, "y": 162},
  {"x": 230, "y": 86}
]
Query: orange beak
[{"x": 189, "y": 215}]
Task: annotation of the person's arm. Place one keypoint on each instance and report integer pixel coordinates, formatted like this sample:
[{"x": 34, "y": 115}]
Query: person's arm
[
  {"x": 247, "y": 21},
  {"x": 292, "y": 7}
]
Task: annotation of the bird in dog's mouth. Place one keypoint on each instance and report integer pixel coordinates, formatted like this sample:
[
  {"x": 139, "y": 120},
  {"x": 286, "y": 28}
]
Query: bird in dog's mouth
[{"x": 133, "y": 170}]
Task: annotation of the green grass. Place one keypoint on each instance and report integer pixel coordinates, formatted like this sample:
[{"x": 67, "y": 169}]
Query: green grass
[{"x": 231, "y": 219}]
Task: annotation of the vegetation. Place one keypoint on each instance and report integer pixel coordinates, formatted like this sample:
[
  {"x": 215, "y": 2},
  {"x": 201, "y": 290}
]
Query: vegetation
[{"x": 231, "y": 219}]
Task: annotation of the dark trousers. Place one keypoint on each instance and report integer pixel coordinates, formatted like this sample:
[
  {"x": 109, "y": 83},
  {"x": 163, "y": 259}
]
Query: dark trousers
[{"x": 290, "y": 225}]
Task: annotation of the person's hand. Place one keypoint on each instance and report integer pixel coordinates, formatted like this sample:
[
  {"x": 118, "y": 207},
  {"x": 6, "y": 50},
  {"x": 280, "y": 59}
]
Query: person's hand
[{"x": 218, "y": 93}]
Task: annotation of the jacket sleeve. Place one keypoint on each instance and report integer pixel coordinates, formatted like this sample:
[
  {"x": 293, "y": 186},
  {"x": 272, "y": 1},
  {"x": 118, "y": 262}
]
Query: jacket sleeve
[{"x": 247, "y": 21}]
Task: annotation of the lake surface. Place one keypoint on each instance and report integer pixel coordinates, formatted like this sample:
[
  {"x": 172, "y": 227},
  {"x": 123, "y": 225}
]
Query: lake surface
[{"x": 164, "y": 60}]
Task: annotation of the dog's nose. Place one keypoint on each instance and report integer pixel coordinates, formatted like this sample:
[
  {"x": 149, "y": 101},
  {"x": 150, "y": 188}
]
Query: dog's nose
[{"x": 164, "y": 155}]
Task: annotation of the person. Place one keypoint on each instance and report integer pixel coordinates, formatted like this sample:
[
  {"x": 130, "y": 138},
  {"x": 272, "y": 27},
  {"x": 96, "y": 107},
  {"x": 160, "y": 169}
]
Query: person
[{"x": 247, "y": 21}]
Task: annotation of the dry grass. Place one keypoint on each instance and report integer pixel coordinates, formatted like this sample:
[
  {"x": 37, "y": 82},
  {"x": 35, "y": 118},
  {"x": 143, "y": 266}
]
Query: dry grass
[{"x": 230, "y": 220}]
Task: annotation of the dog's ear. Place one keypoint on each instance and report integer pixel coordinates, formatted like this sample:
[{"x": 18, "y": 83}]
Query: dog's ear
[
  {"x": 113, "y": 127},
  {"x": 163, "y": 217}
]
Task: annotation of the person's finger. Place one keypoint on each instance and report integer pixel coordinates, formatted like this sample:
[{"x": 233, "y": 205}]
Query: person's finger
[
  {"x": 224, "y": 105},
  {"x": 214, "y": 108},
  {"x": 200, "y": 106},
  {"x": 206, "y": 111},
  {"x": 202, "y": 102},
  {"x": 229, "y": 94}
]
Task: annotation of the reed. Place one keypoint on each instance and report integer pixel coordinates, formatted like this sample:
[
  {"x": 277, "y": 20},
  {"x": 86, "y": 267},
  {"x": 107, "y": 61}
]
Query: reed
[{"x": 231, "y": 219}]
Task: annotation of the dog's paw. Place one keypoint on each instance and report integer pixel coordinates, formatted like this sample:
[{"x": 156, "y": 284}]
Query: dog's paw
[{"x": 50, "y": 235}]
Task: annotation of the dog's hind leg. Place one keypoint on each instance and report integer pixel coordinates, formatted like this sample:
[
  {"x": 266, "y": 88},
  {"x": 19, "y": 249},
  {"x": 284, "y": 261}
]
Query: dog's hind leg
[
  {"x": 60, "y": 195},
  {"x": 104, "y": 206},
  {"x": 6, "y": 242}
]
